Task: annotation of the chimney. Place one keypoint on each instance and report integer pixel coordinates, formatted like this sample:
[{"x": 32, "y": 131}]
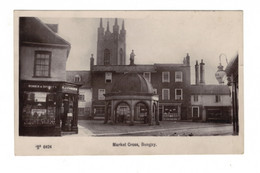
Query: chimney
[
  {"x": 202, "y": 72},
  {"x": 197, "y": 73},
  {"x": 91, "y": 62},
  {"x": 188, "y": 59}
]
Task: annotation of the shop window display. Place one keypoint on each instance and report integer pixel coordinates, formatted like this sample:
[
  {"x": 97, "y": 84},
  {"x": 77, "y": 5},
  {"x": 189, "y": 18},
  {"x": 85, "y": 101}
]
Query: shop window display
[{"x": 39, "y": 109}]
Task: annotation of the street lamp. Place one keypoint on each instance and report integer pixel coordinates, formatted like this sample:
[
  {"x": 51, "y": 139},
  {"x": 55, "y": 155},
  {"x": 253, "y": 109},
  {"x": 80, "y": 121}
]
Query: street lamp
[{"x": 220, "y": 74}]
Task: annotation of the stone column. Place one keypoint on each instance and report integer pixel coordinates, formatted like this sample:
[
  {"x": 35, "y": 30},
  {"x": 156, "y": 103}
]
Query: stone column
[
  {"x": 112, "y": 112},
  {"x": 157, "y": 114},
  {"x": 132, "y": 113},
  {"x": 74, "y": 123},
  {"x": 106, "y": 113},
  {"x": 150, "y": 119}
]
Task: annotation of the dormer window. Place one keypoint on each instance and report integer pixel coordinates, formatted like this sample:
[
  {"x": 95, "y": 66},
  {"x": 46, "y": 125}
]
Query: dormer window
[{"x": 77, "y": 78}]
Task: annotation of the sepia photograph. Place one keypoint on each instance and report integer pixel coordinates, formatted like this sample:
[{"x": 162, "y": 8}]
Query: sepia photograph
[{"x": 131, "y": 80}]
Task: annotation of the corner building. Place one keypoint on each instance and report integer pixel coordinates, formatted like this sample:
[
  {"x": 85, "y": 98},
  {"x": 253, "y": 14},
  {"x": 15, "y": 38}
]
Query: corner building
[{"x": 169, "y": 81}]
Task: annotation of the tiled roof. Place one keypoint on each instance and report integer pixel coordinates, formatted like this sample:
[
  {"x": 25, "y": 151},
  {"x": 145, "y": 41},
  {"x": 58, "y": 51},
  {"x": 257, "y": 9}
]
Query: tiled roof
[
  {"x": 134, "y": 68},
  {"x": 33, "y": 30},
  {"x": 84, "y": 75},
  {"x": 124, "y": 68},
  {"x": 209, "y": 89}
]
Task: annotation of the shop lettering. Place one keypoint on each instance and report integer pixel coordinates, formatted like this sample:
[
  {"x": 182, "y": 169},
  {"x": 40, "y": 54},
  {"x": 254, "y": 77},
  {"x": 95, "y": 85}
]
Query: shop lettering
[
  {"x": 69, "y": 88},
  {"x": 40, "y": 86}
]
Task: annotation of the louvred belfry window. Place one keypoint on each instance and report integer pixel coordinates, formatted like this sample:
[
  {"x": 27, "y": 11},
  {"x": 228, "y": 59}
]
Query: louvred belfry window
[{"x": 106, "y": 57}]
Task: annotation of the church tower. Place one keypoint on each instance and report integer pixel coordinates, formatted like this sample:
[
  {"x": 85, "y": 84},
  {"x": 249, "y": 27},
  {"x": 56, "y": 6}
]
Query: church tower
[{"x": 111, "y": 46}]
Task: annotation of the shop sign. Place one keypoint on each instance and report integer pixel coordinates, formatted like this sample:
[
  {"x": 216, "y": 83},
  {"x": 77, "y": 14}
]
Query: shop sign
[
  {"x": 40, "y": 86},
  {"x": 70, "y": 89}
]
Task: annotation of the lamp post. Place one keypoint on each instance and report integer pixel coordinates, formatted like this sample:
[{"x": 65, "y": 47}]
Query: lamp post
[{"x": 220, "y": 74}]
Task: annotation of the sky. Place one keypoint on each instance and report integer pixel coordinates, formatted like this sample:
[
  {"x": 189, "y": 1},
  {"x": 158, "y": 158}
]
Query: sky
[{"x": 158, "y": 37}]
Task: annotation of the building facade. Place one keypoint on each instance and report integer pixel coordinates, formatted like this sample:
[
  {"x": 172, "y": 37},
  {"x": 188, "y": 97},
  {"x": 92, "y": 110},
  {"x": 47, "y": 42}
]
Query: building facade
[
  {"x": 47, "y": 103},
  {"x": 170, "y": 81},
  {"x": 83, "y": 79},
  {"x": 209, "y": 102}
]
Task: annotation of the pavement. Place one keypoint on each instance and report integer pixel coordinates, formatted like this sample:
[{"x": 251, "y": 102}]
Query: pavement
[{"x": 166, "y": 128}]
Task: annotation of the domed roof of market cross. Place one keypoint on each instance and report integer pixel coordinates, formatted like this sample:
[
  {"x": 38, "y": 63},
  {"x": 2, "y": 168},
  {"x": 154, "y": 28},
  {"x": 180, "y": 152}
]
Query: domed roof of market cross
[{"x": 132, "y": 83}]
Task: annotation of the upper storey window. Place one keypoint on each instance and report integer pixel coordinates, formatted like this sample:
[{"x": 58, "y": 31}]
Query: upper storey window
[
  {"x": 77, "y": 78},
  {"x": 42, "y": 64},
  {"x": 178, "y": 76},
  {"x": 106, "y": 57},
  {"x": 165, "y": 76}
]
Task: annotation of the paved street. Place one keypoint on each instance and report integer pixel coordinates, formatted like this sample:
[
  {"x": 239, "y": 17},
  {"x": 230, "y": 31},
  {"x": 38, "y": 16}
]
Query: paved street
[{"x": 166, "y": 128}]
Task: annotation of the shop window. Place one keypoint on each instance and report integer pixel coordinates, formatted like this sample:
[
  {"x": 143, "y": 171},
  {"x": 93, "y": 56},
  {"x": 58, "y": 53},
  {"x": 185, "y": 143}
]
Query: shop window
[
  {"x": 147, "y": 76},
  {"x": 195, "y": 98},
  {"x": 217, "y": 98},
  {"x": 178, "y": 94},
  {"x": 166, "y": 76},
  {"x": 106, "y": 57},
  {"x": 101, "y": 93},
  {"x": 108, "y": 77},
  {"x": 81, "y": 98},
  {"x": 38, "y": 109},
  {"x": 178, "y": 76},
  {"x": 77, "y": 78},
  {"x": 42, "y": 64},
  {"x": 170, "y": 112},
  {"x": 165, "y": 94}
]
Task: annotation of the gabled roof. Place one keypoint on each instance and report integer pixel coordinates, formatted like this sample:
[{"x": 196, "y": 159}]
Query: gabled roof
[
  {"x": 33, "y": 31},
  {"x": 209, "y": 89},
  {"x": 84, "y": 75}
]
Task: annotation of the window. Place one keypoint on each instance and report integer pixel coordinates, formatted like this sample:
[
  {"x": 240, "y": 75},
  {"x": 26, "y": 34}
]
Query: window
[
  {"x": 147, "y": 76},
  {"x": 42, "y": 64},
  {"x": 99, "y": 110},
  {"x": 106, "y": 57},
  {"x": 178, "y": 94},
  {"x": 108, "y": 77},
  {"x": 178, "y": 76},
  {"x": 81, "y": 111},
  {"x": 155, "y": 91},
  {"x": 165, "y": 94},
  {"x": 77, "y": 78},
  {"x": 217, "y": 98},
  {"x": 195, "y": 98},
  {"x": 166, "y": 76},
  {"x": 81, "y": 97},
  {"x": 101, "y": 93}
]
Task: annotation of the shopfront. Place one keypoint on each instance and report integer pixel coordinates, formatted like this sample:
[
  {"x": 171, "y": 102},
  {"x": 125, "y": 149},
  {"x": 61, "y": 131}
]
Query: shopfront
[
  {"x": 47, "y": 108},
  {"x": 170, "y": 111}
]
